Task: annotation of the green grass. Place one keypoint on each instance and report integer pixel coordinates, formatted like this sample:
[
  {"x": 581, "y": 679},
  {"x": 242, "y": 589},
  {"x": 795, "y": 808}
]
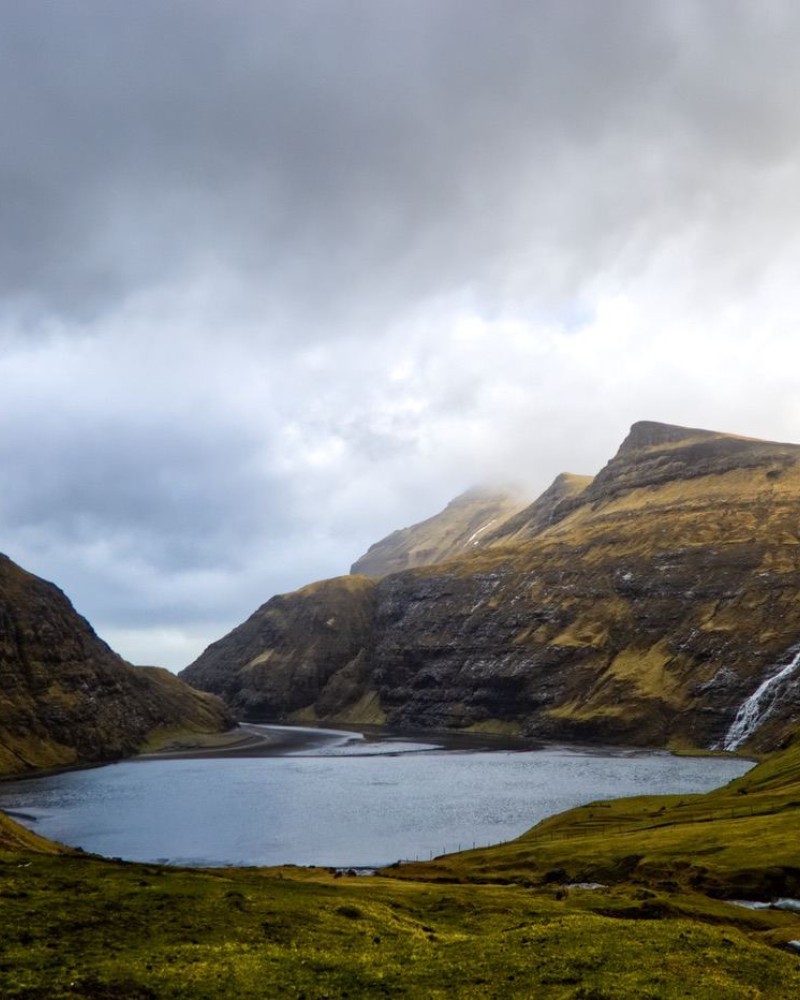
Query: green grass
[
  {"x": 741, "y": 841},
  {"x": 83, "y": 927}
]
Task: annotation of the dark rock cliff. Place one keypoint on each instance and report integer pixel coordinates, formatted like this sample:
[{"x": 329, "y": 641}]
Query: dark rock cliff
[
  {"x": 642, "y": 607},
  {"x": 66, "y": 698},
  {"x": 307, "y": 649}
]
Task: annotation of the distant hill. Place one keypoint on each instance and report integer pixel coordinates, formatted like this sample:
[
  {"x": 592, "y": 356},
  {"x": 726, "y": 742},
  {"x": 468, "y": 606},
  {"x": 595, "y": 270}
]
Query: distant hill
[
  {"x": 644, "y": 606},
  {"x": 461, "y": 527},
  {"x": 67, "y": 698}
]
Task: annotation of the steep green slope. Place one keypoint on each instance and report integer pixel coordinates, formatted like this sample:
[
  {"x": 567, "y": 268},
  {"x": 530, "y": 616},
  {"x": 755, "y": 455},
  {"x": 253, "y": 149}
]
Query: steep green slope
[
  {"x": 738, "y": 842},
  {"x": 66, "y": 698},
  {"x": 647, "y": 606}
]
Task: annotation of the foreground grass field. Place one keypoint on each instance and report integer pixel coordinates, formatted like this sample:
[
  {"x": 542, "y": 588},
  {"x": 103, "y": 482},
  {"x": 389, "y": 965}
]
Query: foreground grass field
[
  {"x": 504, "y": 922},
  {"x": 82, "y": 927}
]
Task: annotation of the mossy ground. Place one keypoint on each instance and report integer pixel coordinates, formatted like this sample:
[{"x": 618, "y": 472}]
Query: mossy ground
[{"x": 82, "y": 927}]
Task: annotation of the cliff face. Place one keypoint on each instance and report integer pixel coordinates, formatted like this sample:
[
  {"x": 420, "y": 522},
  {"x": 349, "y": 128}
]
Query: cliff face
[
  {"x": 644, "y": 607},
  {"x": 66, "y": 698},
  {"x": 306, "y": 653}
]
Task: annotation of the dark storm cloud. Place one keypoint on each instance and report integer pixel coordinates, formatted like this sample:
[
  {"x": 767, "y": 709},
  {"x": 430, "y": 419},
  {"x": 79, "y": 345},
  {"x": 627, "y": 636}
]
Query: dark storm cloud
[{"x": 339, "y": 157}]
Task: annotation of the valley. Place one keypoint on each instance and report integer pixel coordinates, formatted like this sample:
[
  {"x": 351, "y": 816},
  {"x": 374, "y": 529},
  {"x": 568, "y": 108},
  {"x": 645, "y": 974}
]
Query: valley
[{"x": 652, "y": 605}]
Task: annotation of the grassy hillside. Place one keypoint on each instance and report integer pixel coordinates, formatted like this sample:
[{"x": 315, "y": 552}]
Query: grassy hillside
[
  {"x": 66, "y": 698},
  {"x": 740, "y": 841},
  {"x": 302, "y": 655},
  {"x": 463, "y": 525},
  {"x": 15, "y": 838}
]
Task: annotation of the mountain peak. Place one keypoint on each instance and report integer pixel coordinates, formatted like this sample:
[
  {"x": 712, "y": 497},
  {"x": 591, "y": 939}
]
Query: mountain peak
[
  {"x": 463, "y": 524},
  {"x": 650, "y": 433},
  {"x": 653, "y": 454}
]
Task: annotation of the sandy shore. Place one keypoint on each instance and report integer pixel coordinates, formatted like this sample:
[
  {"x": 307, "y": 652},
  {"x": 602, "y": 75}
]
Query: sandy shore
[
  {"x": 272, "y": 740},
  {"x": 248, "y": 740}
]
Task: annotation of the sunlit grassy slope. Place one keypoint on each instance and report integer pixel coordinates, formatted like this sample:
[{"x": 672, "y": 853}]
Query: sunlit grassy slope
[
  {"x": 742, "y": 840},
  {"x": 459, "y": 528}
]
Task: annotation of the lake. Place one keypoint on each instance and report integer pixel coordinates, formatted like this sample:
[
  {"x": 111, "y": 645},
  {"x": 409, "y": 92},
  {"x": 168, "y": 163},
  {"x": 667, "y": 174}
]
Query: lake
[{"x": 337, "y": 799}]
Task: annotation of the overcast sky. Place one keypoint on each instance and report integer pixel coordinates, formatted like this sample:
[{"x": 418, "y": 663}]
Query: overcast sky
[{"x": 279, "y": 276}]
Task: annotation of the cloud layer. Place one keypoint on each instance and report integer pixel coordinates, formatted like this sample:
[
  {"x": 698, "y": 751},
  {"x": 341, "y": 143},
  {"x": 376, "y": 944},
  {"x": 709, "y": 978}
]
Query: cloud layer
[{"x": 278, "y": 278}]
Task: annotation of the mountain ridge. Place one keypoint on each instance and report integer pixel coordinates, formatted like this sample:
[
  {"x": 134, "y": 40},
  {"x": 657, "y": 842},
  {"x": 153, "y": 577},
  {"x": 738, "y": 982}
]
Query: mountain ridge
[{"x": 643, "y": 607}]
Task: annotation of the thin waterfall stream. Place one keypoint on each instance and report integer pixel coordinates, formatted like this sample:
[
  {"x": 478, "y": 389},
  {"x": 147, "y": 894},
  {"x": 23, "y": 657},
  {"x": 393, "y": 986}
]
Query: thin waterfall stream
[{"x": 756, "y": 709}]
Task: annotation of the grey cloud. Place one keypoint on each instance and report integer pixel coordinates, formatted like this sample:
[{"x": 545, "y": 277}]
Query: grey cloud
[
  {"x": 190, "y": 492},
  {"x": 344, "y": 156},
  {"x": 245, "y": 234}
]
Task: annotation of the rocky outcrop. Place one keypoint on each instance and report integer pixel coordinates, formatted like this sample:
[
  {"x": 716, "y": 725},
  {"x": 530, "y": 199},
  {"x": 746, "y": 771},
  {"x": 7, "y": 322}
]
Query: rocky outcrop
[
  {"x": 654, "y": 455},
  {"x": 461, "y": 527},
  {"x": 641, "y": 607},
  {"x": 66, "y": 698}
]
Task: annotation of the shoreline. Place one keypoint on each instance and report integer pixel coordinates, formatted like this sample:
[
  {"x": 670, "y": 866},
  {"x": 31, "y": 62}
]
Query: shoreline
[
  {"x": 255, "y": 740},
  {"x": 267, "y": 739},
  {"x": 273, "y": 739},
  {"x": 306, "y": 771}
]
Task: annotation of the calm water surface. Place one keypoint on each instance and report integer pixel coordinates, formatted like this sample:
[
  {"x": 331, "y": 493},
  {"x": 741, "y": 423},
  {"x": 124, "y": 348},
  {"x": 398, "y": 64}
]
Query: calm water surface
[{"x": 341, "y": 802}]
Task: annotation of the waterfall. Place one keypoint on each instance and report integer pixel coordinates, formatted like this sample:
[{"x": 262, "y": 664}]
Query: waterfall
[{"x": 758, "y": 707}]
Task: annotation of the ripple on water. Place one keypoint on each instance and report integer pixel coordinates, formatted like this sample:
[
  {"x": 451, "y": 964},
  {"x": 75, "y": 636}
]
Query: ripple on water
[{"x": 346, "y": 803}]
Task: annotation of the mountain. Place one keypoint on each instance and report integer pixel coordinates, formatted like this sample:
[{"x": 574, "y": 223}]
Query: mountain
[
  {"x": 461, "y": 526},
  {"x": 643, "y": 606},
  {"x": 66, "y": 698},
  {"x": 309, "y": 648},
  {"x": 539, "y": 515}
]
